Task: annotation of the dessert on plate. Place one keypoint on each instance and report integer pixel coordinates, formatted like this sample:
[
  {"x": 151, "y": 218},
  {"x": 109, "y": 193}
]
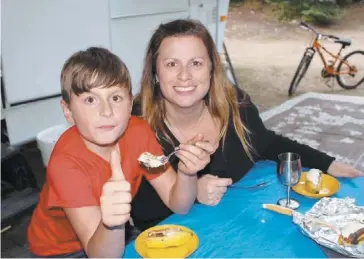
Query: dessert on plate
[
  {"x": 313, "y": 180},
  {"x": 167, "y": 237}
]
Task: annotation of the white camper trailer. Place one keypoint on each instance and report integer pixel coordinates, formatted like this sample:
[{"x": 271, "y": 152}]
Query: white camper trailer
[{"x": 38, "y": 35}]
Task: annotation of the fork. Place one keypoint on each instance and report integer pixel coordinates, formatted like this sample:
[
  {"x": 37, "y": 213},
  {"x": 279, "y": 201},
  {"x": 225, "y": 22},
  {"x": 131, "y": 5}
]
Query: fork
[
  {"x": 250, "y": 186},
  {"x": 164, "y": 159}
]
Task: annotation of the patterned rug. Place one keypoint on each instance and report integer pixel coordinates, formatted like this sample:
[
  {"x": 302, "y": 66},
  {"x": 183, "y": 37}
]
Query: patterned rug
[{"x": 331, "y": 123}]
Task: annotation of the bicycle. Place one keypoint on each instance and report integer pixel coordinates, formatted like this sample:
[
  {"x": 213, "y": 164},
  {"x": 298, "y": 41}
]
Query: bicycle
[{"x": 344, "y": 71}]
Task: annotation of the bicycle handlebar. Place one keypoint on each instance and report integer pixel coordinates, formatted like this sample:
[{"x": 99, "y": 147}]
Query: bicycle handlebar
[
  {"x": 331, "y": 37},
  {"x": 305, "y": 26}
]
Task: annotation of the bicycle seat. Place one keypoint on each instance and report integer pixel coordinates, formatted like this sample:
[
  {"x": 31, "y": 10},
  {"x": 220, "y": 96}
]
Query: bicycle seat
[{"x": 344, "y": 42}]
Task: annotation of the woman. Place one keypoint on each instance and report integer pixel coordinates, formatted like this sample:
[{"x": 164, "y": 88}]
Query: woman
[{"x": 184, "y": 91}]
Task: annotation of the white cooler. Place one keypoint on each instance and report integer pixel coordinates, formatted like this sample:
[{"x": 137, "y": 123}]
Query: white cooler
[{"x": 46, "y": 139}]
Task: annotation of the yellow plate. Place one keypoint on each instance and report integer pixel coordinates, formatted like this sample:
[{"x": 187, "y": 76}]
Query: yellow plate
[
  {"x": 329, "y": 187},
  {"x": 181, "y": 251}
]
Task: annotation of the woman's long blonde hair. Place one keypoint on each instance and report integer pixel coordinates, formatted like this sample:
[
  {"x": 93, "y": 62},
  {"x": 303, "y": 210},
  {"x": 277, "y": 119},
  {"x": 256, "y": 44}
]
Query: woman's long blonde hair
[{"x": 221, "y": 100}]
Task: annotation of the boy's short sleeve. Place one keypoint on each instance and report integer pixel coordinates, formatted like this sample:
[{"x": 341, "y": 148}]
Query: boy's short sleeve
[
  {"x": 69, "y": 185},
  {"x": 153, "y": 147}
]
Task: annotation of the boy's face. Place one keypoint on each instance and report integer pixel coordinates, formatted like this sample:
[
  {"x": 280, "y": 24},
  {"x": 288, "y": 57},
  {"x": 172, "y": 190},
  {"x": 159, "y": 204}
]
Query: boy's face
[{"x": 100, "y": 115}]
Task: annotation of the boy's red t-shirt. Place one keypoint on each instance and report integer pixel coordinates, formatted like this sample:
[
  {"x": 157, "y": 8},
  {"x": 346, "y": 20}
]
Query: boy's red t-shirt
[{"x": 75, "y": 177}]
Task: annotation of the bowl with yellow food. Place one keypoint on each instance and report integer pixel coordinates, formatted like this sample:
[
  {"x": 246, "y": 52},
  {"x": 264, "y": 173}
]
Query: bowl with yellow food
[
  {"x": 316, "y": 184},
  {"x": 166, "y": 241}
]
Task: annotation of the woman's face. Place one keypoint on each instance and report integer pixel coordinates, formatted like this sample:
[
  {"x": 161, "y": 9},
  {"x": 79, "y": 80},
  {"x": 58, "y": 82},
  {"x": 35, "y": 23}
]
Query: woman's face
[{"x": 183, "y": 70}]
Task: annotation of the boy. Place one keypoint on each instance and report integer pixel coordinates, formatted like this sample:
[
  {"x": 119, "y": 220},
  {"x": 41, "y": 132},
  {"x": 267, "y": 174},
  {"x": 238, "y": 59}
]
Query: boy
[{"x": 93, "y": 172}]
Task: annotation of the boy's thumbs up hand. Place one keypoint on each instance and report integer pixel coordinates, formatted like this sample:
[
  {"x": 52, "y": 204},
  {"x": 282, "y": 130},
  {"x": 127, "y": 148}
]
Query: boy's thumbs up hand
[
  {"x": 116, "y": 197},
  {"x": 115, "y": 164}
]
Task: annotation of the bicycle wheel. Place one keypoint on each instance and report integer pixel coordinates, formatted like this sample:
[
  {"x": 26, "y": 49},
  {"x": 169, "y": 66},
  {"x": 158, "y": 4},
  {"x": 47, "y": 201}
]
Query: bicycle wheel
[
  {"x": 346, "y": 77},
  {"x": 301, "y": 70}
]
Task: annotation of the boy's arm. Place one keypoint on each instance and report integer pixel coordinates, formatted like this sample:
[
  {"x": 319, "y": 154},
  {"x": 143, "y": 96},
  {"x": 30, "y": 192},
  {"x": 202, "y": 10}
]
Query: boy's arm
[
  {"x": 97, "y": 240},
  {"x": 101, "y": 230},
  {"x": 178, "y": 190}
]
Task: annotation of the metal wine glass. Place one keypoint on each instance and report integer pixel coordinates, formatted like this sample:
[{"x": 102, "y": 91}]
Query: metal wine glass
[{"x": 289, "y": 171}]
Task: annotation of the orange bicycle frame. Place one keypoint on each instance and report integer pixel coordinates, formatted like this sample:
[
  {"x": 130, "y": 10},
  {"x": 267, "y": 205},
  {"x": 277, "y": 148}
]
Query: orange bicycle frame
[{"x": 330, "y": 69}]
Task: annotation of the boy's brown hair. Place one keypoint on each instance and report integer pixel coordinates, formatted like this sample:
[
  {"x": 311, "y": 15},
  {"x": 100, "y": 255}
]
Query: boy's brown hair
[{"x": 91, "y": 68}]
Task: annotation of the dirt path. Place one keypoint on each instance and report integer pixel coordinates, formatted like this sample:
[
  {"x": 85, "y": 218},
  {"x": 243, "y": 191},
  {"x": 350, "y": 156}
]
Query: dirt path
[{"x": 266, "y": 53}]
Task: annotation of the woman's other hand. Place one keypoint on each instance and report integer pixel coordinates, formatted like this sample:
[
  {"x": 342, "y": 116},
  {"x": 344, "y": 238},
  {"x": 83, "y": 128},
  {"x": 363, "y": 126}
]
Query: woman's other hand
[
  {"x": 339, "y": 169},
  {"x": 210, "y": 189}
]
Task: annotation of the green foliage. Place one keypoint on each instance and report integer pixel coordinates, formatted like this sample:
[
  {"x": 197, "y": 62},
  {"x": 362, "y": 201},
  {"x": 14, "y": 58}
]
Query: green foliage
[
  {"x": 288, "y": 10},
  {"x": 344, "y": 2},
  {"x": 321, "y": 12}
]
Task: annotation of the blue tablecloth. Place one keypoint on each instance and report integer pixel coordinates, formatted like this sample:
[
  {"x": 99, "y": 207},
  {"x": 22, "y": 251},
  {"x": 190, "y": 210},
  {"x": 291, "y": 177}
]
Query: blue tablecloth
[{"x": 239, "y": 227}]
